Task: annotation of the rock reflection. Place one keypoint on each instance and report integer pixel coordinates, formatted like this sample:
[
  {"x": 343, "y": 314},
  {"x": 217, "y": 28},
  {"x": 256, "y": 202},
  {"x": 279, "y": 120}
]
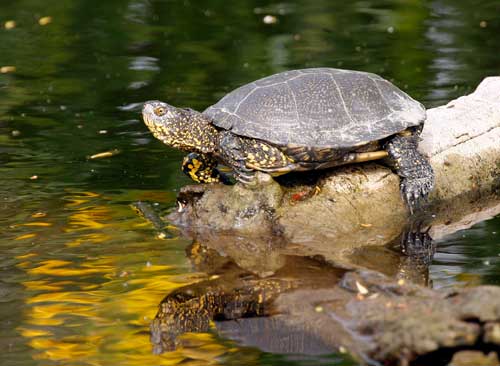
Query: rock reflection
[
  {"x": 231, "y": 292},
  {"x": 368, "y": 300}
]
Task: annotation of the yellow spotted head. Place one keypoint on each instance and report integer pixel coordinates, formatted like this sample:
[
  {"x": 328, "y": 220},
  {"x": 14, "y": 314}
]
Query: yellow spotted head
[
  {"x": 185, "y": 129},
  {"x": 164, "y": 120}
]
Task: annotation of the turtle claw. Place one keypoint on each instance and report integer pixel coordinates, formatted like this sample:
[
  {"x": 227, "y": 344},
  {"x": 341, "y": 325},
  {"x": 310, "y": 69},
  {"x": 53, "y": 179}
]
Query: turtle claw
[
  {"x": 245, "y": 176},
  {"x": 415, "y": 191}
]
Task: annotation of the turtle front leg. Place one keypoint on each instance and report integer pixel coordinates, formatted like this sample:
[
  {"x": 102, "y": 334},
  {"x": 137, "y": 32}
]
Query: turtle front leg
[
  {"x": 203, "y": 169},
  {"x": 245, "y": 156},
  {"x": 417, "y": 176},
  {"x": 232, "y": 152}
]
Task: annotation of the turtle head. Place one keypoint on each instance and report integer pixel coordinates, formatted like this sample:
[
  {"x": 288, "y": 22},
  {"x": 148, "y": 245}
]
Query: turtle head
[{"x": 184, "y": 129}]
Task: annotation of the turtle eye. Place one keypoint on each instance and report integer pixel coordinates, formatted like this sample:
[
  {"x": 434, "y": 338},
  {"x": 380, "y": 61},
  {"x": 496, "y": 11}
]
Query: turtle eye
[{"x": 160, "y": 111}]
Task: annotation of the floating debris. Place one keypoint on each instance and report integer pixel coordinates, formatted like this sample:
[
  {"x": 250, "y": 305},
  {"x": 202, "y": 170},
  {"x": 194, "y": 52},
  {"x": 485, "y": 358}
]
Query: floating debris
[
  {"x": 45, "y": 20},
  {"x": 103, "y": 132},
  {"x": 39, "y": 224},
  {"x": 105, "y": 154},
  {"x": 366, "y": 225},
  {"x": 483, "y": 23},
  {"x": 15, "y": 133},
  {"x": 34, "y": 177},
  {"x": 7, "y": 69},
  {"x": 361, "y": 289},
  {"x": 9, "y": 24},
  {"x": 270, "y": 19},
  {"x": 25, "y": 236},
  {"x": 401, "y": 282},
  {"x": 39, "y": 214},
  {"x": 390, "y": 29},
  {"x": 318, "y": 309}
]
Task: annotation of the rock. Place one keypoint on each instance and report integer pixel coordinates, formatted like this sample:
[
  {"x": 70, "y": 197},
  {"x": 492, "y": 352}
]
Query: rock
[
  {"x": 492, "y": 333},
  {"x": 245, "y": 210},
  {"x": 474, "y": 358}
]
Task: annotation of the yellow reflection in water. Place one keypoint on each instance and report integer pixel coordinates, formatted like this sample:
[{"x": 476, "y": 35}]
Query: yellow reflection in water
[
  {"x": 44, "y": 224},
  {"x": 78, "y": 198},
  {"x": 86, "y": 309},
  {"x": 55, "y": 267},
  {"x": 26, "y": 236},
  {"x": 90, "y": 220},
  {"x": 31, "y": 333}
]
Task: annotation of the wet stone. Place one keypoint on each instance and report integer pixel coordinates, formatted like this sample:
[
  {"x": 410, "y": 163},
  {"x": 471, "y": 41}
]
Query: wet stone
[{"x": 474, "y": 358}]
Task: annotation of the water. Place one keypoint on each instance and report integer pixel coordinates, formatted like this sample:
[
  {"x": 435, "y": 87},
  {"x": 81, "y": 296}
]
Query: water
[{"x": 81, "y": 273}]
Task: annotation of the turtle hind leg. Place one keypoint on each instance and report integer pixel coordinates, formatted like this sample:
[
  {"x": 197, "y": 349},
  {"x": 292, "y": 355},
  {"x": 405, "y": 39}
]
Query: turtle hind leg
[
  {"x": 417, "y": 176},
  {"x": 203, "y": 169},
  {"x": 417, "y": 244}
]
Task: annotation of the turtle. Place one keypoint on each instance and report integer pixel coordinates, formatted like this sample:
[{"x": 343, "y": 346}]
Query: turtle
[{"x": 300, "y": 120}]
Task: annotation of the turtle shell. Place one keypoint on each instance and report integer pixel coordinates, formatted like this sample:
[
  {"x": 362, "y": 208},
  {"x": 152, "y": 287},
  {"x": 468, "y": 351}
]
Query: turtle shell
[{"x": 321, "y": 107}]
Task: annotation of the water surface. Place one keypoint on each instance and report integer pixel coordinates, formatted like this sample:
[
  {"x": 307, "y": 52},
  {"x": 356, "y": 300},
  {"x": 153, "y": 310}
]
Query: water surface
[{"x": 81, "y": 273}]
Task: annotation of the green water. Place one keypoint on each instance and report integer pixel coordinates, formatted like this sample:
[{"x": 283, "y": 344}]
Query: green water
[{"x": 81, "y": 274}]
